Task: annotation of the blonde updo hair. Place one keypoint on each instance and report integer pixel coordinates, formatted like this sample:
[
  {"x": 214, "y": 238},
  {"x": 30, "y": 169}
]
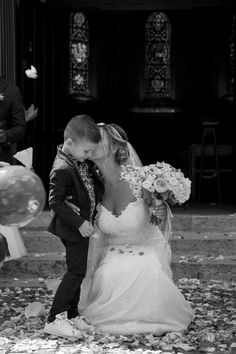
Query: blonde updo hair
[{"x": 117, "y": 139}]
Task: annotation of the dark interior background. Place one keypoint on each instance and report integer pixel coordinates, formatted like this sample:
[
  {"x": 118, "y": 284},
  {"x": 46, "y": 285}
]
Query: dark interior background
[{"x": 199, "y": 77}]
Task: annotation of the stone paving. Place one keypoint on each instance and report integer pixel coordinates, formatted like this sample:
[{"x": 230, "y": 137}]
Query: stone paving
[
  {"x": 204, "y": 265},
  {"x": 212, "y": 330}
]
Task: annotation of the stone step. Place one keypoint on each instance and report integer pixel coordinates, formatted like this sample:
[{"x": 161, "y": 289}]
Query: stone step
[
  {"x": 184, "y": 220},
  {"x": 206, "y": 243},
  {"x": 204, "y": 223},
  {"x": 182, "y": 242},
  {"x": 53, "y": 265},
  {"x": 22, "y": 281}
]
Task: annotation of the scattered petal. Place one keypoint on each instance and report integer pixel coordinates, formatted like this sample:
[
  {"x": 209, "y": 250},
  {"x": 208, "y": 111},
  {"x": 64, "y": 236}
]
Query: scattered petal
[{"x": 34, "y": 309}]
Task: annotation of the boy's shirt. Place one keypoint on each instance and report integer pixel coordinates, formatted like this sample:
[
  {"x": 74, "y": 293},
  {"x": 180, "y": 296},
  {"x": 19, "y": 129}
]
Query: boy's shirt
[
  {"x": 69, "y": 177},
  {"x": 87, "y": 177}
]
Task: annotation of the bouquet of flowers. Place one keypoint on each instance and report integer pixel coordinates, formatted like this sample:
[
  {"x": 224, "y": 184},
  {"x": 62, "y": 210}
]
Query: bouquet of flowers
[
  {"x": 166, "y": 184},
  {"x": 163, "y": 185}
]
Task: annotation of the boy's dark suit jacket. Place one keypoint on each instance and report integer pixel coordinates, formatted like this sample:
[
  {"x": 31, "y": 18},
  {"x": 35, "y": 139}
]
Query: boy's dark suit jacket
[
  {"x": 12, "y": 118},
  {"x": 65, "y": 181}
]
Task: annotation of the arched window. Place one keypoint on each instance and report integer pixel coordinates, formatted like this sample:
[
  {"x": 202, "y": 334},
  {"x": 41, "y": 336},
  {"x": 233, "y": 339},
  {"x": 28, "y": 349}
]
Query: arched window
[
  {"x": 79, "y": 55},
  {"x": 157, "y": 55}
]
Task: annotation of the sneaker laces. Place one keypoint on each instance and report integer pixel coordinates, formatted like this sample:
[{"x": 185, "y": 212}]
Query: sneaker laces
[{"x": 66, "y": 323}]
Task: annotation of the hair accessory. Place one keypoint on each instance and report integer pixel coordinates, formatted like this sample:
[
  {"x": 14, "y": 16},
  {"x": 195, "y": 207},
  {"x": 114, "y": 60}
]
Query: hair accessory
[
  {"x": 101, "y": 124},
  {"x": 122, "y": 154}
]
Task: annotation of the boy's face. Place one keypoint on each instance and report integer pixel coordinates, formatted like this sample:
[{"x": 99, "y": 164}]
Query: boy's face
[
  {"x": 102, "y": 150},
  {"x": 82, "y": 149}
]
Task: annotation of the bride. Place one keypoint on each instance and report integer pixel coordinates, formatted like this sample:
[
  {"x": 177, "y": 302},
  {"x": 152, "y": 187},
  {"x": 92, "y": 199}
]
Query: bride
[{"x": 131, "y": 289}]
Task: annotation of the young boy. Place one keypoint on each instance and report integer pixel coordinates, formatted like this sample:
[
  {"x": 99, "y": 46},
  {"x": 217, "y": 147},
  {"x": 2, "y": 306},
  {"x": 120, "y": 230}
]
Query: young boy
[{"x": 73, "y": 177}]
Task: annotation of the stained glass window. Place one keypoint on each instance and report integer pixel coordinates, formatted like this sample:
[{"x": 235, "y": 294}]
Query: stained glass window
[
  {"x": 157, "y": 55},
  {"x": 79, "y": 54}
]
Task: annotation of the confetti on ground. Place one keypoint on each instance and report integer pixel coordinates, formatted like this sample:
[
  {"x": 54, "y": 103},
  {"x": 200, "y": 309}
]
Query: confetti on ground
[{"x": 23, "y": 313}]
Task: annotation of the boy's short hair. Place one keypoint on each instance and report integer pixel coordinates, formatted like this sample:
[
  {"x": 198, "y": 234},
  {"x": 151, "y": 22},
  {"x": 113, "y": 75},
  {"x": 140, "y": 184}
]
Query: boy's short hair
[{"x": 82, "y": 127}]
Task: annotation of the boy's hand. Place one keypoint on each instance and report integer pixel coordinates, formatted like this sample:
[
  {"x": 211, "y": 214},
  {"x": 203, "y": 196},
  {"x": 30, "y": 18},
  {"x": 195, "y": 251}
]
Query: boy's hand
[
  {"x": 72, "y": 206},
  {"x": 86, "y": 229}
]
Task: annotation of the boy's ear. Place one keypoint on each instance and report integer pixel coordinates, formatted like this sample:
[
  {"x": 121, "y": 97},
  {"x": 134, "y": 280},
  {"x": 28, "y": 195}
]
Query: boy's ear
[
  {"x": 113, "y": 148},
  {"x": 69, "y": 141}
]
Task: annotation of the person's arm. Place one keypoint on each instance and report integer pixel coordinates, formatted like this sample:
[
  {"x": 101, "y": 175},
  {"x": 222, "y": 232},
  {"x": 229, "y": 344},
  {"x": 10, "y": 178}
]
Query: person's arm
[
  {"x": 17, "y": 122},
  {"x": 57, "y": 199}
]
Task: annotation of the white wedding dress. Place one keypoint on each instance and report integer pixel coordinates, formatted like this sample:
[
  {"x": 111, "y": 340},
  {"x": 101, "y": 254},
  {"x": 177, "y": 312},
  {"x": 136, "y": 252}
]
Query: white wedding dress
[{"x": 131, "y": 288}]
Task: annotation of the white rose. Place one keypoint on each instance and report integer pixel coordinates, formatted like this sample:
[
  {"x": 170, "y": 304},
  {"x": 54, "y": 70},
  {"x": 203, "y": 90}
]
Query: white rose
[
  {"x": 159, "y": 173},
  {"x": 179, "y": 175},
  {"x": 173, "y": 181},
  {"x": 161, "y": 186},
  {"x": 146, "y": 168},
  {"x": 150, "y": 179},
  {"x": 142, "y": 174},
  {"x": 181, "y": 194},
  {"x": 148, "y": 185}
]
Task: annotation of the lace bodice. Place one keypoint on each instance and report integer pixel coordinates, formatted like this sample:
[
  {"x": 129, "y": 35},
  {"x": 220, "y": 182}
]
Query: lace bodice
[{"x": 130, "y": 227}]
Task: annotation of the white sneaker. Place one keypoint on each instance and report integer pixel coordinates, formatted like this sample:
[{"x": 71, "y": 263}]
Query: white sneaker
[
  {"x": 61, "y": 328},
  {"x": 81, "y": 324}
]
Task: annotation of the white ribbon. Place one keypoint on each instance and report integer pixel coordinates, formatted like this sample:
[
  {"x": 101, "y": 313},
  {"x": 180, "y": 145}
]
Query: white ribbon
[{"x": 168, "y": 224}]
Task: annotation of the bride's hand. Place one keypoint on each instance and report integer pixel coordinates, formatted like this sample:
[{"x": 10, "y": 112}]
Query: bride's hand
[
  {"x": 72, "y": 206},
  {"x": 158, "y": 213},
  {"x": 147, "y": 197}
]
